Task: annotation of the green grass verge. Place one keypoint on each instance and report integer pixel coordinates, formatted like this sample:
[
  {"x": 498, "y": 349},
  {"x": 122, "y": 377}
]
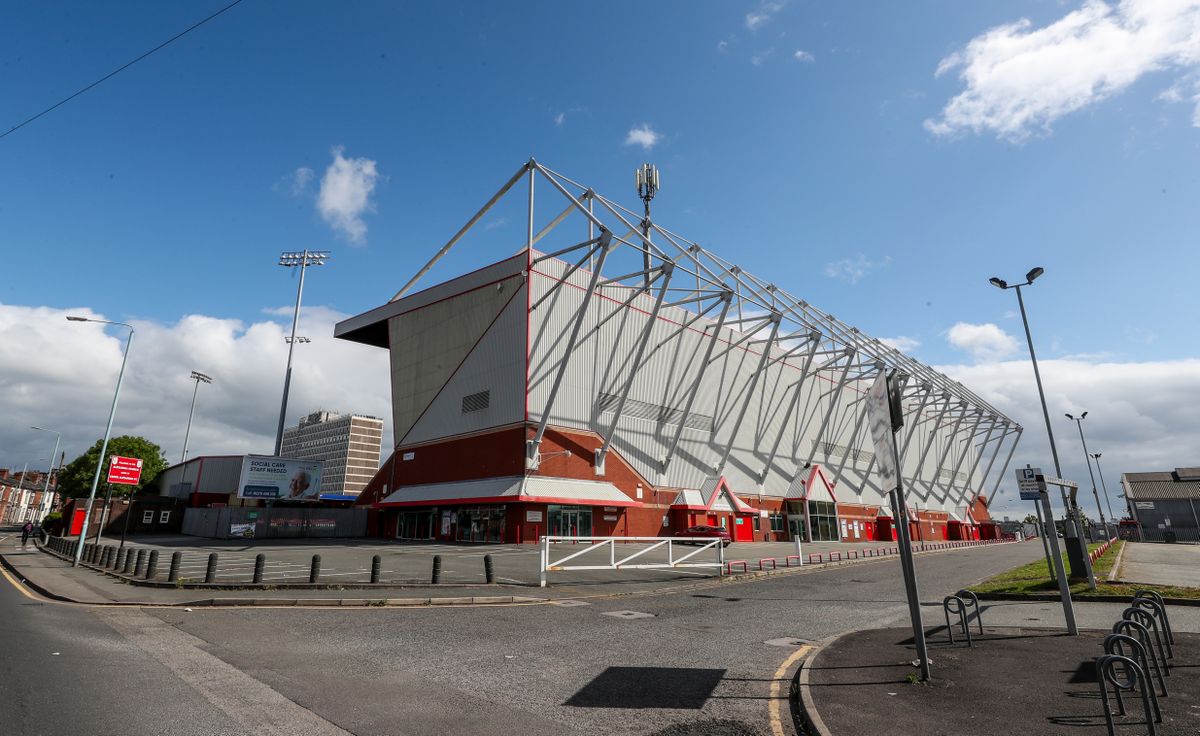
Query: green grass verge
[{"x": 1035, "y": 578}]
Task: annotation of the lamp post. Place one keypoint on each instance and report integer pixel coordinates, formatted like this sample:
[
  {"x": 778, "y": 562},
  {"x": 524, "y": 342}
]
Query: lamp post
[
  {"x": 46, "y": 488},
  {"x": 291, "y": 259},
  {"x": 1107, "y": 500},
  {"x": 1095, "y": 494},
  {"x": 1073, "y": 526},
  {"x": 199, "y": 378},
  {"x": 87, "y": 513}
]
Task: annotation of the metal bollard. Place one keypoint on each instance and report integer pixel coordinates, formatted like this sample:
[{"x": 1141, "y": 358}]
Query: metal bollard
[
  {"x": 437, "y": 569},
  {"x": 173, "y": 573},
  {"x": 129, "y": 562},
  {"x": 111, "y": 560},
  {"x": 314, "y": 572},
  {"x": 375, "y": 565},
  {"x": 210, "y": 573},
  {"x": 120, "y": 561},
  {"x": 105, "y": 551},
  {"x": 152, "y": 565},
  {"x": 260, "y": 563},
  {"x": 489, "y": 570}
]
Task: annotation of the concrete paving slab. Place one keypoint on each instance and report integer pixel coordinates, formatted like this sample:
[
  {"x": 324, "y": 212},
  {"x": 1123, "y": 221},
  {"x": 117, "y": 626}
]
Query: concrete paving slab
[{"x": 1160, "y": 564}]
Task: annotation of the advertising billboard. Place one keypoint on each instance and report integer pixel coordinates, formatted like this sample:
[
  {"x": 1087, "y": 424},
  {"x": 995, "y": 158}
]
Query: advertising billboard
[{"x": 266, "y": 476}]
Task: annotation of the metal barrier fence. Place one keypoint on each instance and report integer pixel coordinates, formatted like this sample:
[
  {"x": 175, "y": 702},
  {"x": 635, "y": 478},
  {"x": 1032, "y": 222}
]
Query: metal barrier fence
[{"x": 592, "y": 546}]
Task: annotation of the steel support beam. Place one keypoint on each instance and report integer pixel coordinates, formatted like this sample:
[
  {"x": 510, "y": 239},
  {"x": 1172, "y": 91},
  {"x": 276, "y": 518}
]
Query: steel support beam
[{"x": 762, "y": 364}]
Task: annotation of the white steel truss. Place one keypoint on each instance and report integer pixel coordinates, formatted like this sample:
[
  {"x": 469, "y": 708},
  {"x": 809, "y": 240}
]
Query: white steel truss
[{"x": 678, "y": 272}]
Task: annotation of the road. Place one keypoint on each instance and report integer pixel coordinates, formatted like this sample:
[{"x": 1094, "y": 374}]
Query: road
[{"x": 698, "y": 664}]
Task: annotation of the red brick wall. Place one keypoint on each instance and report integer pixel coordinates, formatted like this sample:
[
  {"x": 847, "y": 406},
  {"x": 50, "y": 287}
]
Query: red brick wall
[{"x": 864, "y": 515}]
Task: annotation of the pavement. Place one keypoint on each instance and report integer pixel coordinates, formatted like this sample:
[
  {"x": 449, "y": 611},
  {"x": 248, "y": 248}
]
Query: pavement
[
  {"x": 1160, "y": 564},
  {"x": 1029, "y": 680}
]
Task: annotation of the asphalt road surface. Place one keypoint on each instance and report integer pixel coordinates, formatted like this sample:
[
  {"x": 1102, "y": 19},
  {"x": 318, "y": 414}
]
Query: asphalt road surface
[{"x": 697, "y": 664}]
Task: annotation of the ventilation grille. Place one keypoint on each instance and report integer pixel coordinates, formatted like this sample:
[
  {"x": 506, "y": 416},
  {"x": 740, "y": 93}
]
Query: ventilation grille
[
  {"x": 834, "y": 450},
  {"x": 634, "y": 409},
  {"x": 476, "y": 402}
]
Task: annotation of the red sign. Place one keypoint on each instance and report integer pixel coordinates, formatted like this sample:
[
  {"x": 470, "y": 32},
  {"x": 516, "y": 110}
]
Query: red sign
[{"x": 126, "y": 471}]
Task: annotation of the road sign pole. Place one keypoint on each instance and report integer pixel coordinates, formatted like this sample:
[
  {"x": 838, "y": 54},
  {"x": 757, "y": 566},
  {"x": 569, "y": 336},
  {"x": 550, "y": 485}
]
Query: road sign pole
[
  {"x": 1037, "y": 506},
  {"x": 1064, "y": 586}
]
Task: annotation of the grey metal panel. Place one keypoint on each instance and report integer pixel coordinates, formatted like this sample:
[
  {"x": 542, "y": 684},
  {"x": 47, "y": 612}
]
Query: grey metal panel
[
  {"x": 429, "y": 344},
  {"x": 358, "y": 328},
  {"x": 1154, "y": 489},
  {"x": 495, "y": 365},
  {"x": 218, "y": 474}
]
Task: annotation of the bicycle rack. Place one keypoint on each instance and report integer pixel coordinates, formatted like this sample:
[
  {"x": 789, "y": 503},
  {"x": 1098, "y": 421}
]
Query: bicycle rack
[
  {"x": 1147, "y": 619},
  {"x": 1142, "y": 634},
  {"x": 972, "y": 601},
  {"x": 1106, "y": 674},
  {"x": 1154, "y": 603},
  {"x": 954, "y": 604},
  {"x": 1116, "y": 644}
]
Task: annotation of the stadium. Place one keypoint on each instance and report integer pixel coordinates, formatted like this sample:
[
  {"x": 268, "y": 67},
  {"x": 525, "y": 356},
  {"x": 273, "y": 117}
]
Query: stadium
[{"x": 614, "y": 378}]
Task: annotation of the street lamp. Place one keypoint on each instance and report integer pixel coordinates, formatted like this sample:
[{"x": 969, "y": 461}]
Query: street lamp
[
  {"x": 1095, "y": 494},
  {"x": 291, "y": 259},
  {"x": 1030, "y": 277},
  {"x": 298, "y": 338},
  {"x": 87, "y": 513},
  {"x": 1107, "y": 500},
  {"x": 199, "y": 378},
  {"x": 57, "y": 439}
]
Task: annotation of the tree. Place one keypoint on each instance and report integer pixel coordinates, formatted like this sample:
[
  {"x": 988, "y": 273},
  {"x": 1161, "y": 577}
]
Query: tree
[
  {"x": 1030, "y": 519},
  {"x": 77, "y": 477}
]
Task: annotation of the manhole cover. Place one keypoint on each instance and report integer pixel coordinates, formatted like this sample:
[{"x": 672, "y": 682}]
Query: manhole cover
[
  {"x": 628, "y": 614},
  {"x": 569, "y": 602},
  {"x": 787, "y": 641}
]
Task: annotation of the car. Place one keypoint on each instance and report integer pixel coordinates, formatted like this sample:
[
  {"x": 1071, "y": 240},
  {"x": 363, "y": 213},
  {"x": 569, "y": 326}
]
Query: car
[{"x": 703, "y": 531}]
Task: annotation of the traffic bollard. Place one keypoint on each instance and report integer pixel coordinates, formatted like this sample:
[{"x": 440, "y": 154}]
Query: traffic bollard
[
  {"x": 152, "y": 565},
  {"x": 314, "y": 572},
  {"x": 489, "y": 571},
  {"x": 110, "y": 558},
  {"x": 129, "y": 562},
  {"x": 173, "y": 573},
  {"x": 210, "y": 574},
  {"x": 120, "y": 562},
  {"x": 437, "y": 569},
  {"x": 260, "y": 563},
  {"x": 375, "y": 565},
  {"x": 105, "y": 551}
]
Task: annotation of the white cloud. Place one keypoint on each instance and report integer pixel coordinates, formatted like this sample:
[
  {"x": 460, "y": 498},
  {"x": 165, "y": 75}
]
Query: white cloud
[
  {"x": 758, "y": 58},
  {"x": 560, "y": 118},
  {"x": 1020, "y": 79},
  {"x": 722, "y": 46},
  {"x": 802, "y": 55},
  {"x": 495, "y": 223},
  {"x": 852, "y": 269},
  {"x": 64, "y": 376},
  {"x": 346, "y": 194},
  {"x": 901, "y": 343},
  {"x": 642, "y": 136},
  {"x": 301, "y": 178},
  {"x": 1140, "y": 418},
  {"x": 763, "y": 14},
  {"x": 984, "y": 342}
]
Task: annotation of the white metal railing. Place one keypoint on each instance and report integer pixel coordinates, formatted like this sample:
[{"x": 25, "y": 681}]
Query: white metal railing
[{"x": 593, "y": 544}]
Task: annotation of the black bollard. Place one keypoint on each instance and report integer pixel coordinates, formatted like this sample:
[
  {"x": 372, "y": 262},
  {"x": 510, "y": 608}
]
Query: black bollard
[
  {"x": 120, "y": 561},
  {"x": 375, "y": 564},
  {"x": 104, "y": 557},
  {"x": 152, "y": 565},
  {"x": 489, "y": 571},
  {"x": 173, "y": 573},
  {"x": 437, "y": 569},
  {"x": 129, "y": 562},
  {"x": 260, "y": 563},
  {"x": 314, "y": 572},
  {"x": 210, "y": 573}
]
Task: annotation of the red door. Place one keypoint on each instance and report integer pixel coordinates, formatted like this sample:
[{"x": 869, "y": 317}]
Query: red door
[
  {"x": 743, "y": 531},
  {"x": 713, "y": 520}
]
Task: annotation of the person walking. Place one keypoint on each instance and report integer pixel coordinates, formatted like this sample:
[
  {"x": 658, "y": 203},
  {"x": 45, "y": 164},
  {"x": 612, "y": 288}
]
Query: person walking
[{"x": 25, "y": 532}]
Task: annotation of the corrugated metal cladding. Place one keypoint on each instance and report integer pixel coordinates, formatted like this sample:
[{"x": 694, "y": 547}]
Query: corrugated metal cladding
[
  {"x": 495, "y": 366},
  {"x": 429, "y": 344},
  {"x": 601, "y": 363},
  {"x": 1150, "y": 490},
  {"x": 215, "y": 475}
]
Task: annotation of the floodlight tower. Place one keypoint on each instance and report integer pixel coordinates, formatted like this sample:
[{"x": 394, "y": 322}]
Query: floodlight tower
[
  {"x": 199, "y": 378},
  {"x": 647, "y": 187},
  {"x": 291, "y": 259}
]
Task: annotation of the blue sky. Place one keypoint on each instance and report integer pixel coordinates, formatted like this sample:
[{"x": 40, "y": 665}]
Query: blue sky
[{"x": 807, "y": 141}]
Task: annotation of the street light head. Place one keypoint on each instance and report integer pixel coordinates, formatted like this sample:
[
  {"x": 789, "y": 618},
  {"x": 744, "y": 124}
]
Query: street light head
[
  {"x": 1071, "y": 417},
  {"x": 197, "y": 375},
  {"x": 998, "y": 283},
  {"x": 1083, "y": 415},
  {"x": 71, "y": 318},
  {"x": 1096, "y": 455},
  {"x": 1034, "y": 273}
]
